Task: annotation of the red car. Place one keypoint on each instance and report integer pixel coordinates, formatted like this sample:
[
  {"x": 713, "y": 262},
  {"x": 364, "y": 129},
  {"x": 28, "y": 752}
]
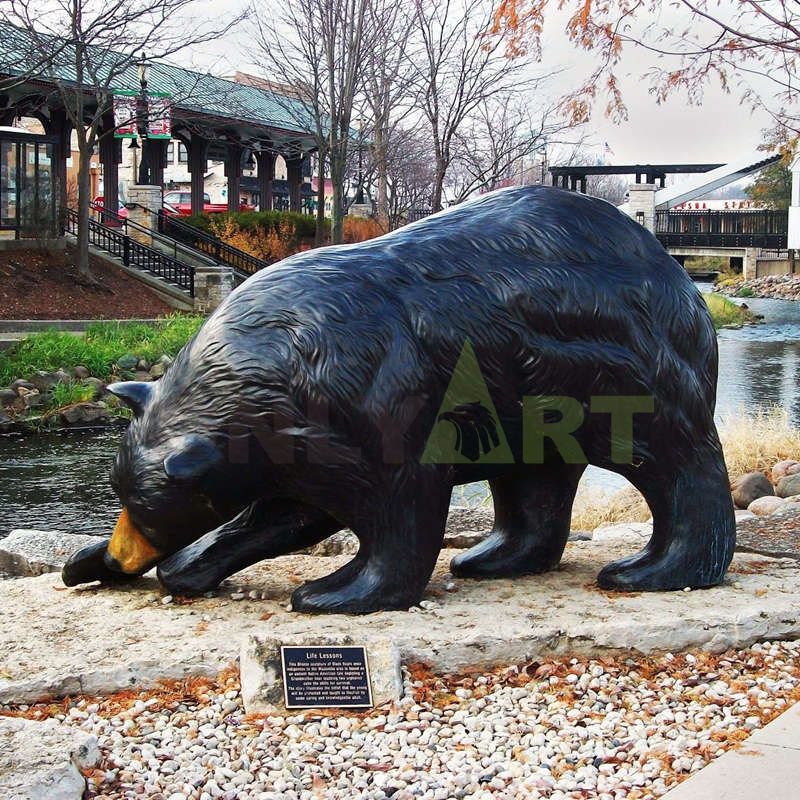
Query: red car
[{"x": 182, "y": 203}]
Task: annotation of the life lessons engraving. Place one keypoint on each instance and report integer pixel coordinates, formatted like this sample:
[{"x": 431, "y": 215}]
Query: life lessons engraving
[{"x": 326, "y": 677}]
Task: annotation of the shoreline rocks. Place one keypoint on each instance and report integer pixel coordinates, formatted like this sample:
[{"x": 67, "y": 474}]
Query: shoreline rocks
[
  {"x": 28, "y": 405},
  {"x": 776, "y": 287}
]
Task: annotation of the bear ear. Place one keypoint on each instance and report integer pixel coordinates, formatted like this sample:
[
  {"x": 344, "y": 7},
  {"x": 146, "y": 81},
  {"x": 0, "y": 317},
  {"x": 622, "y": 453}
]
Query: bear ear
[
  {"x": 192, "y": 458},
  {"x": 134, "y": 394}
]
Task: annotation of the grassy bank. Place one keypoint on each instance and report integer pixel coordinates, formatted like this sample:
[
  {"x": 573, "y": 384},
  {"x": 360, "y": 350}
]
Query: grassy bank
[
  {"x": 725, "y": 312},
  {"x": 100, "y": 349}
]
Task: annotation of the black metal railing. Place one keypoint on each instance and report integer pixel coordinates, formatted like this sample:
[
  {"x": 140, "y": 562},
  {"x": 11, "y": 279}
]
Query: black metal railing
[
  {"x": 115, "y": 240},
  {"x": 209, "y": 245},
  {"x": 763, "y": 228}
]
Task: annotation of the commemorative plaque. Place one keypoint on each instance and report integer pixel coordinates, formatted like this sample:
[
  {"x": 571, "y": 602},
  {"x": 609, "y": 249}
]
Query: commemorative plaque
[{"x": 326, "y": 677}]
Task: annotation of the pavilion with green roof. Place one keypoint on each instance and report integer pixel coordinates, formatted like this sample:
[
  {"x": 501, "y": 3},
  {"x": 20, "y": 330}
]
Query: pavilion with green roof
[{"x": 214, "y": 117}]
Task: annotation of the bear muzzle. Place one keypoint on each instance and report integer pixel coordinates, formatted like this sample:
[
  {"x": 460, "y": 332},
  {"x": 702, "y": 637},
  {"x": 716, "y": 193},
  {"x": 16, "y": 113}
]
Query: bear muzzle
[{"x": 129, "y": 551}]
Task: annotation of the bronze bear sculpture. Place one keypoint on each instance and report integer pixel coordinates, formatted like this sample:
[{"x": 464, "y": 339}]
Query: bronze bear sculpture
[{"x": 305, "y": 404}]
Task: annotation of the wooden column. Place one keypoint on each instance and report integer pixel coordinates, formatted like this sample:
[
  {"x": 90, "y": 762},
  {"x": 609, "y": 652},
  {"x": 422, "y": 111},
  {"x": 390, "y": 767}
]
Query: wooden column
[
  {"x": 197, "y": 149},
  {"x": 266, "y": 174},
  {"x": 110, "y": 156},
  {"x": 157, "y": 154},
  {"x": 233, "y": 172},
  {"x": 59, "y": 125},
  {"x": 294, "y": 177}
]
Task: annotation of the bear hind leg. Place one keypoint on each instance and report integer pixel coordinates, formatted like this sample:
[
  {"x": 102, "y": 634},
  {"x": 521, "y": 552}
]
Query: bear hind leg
[
  {"x": 401, "y": 533},
  {"x": 694, "y": 528},
  {"x": 532, "y": 510}
]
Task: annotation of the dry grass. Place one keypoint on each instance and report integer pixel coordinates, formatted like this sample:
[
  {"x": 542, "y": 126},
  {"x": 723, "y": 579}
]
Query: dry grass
[
  {"x": 594, "y": 508},
  {"x": 755, "y": 442},
  {"x": 752, "y": 443}
]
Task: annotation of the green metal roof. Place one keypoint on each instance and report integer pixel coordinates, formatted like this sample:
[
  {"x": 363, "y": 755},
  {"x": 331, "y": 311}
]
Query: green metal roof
[{"x": 196, "y": 92}]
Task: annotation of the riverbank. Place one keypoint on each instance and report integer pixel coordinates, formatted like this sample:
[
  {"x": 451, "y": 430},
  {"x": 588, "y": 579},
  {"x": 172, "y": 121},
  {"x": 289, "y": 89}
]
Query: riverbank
[
  {"x": 774, "y": 287},
  {"x": 56, "y": 379},
  {"x": 727, "y": 314}
]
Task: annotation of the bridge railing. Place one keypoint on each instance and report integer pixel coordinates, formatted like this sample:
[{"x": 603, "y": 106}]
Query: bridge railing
[{"x": 765, "y": 228}]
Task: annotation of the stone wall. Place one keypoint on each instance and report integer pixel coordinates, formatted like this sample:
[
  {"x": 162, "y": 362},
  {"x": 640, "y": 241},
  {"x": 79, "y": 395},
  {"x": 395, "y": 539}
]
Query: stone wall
[
  {"x": 211, "y": 286},
  {"x": 144, "y": 203},
  {"x": 643, "y": 202}
]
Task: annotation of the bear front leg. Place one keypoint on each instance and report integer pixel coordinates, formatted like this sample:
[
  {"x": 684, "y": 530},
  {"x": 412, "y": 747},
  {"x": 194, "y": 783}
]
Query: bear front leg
[
  {"x": 400, "y": 529},
  {"x": 694, "y": 526},
  {"x": 265, "y": 529},
  {"x": 532, "y": 511}
]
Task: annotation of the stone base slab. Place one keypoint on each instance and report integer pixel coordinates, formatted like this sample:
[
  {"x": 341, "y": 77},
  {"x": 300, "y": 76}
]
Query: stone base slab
[
  {"x": 56, "y": 641},
  {"x": 43, "y": 760}
]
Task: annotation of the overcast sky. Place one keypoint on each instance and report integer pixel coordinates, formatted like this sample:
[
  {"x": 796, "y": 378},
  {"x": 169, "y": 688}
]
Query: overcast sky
[{"x": 719, "y": 130}]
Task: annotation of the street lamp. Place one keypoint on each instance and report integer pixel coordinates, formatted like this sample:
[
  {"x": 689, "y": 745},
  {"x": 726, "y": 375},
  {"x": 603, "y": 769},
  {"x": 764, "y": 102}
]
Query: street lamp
[
  {"x": 143, "y": 123},
  {"x": 359, "y": 123},
  {"x": 543, "y": 154}
]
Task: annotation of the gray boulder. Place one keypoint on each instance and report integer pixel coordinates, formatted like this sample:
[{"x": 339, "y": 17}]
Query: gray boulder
[
  {"x": 29, "y": 398},
  {"x": 127, "y": 362},
  {"x": 98, "y": 386},
  {"x": 19, "y": 383},
  {"x": 43, "y": 760},
  {"x": 26, "y": 553},
  {"x": 81, "y": 372},
  {"x": 7, "y": 397},
  {"x": 749, "y": 487},
  {"x": 45, "y": 381},
  {"x": 765, "y": 506},
  {"x": 789, "y": 486},
  {"x": 83, "y": 413}
]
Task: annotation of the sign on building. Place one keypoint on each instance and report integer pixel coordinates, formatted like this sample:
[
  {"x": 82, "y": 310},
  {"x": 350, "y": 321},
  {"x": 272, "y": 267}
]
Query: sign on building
[
  {"x": 159, "y": 116},
  {"x": 125, "y": 105}
]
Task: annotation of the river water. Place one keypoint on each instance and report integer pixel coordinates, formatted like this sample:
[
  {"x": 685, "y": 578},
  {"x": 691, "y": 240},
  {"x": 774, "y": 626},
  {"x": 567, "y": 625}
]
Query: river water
[{"x": 60, "y": 482}]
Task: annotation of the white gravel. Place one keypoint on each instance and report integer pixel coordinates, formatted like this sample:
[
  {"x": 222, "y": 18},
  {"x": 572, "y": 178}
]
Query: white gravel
[{"x": 575, "y": 728}]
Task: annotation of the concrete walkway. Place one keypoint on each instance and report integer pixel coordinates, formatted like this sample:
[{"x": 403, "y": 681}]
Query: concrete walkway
[{"x": 765, "y": 767}]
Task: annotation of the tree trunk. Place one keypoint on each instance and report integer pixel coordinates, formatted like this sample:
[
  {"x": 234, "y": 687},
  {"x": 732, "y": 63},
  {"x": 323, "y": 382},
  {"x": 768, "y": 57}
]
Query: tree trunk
[
  {"x": 84, "y": 190},
  {"x": 319, "y": 230},
  {"x": 382, "y": 180},
  {"x": 438, "y": 184},
  {"x": 337, "y": 209}
]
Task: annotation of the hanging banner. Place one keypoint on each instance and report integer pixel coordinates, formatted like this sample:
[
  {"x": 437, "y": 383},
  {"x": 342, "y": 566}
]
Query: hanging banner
[
  {"x": 159, "y": 116},
  {"x": 125, "y": 106}
]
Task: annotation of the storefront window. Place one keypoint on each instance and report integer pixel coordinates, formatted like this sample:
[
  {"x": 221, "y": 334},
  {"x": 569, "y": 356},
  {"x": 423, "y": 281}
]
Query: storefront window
[{"x": 27, "y": 185}]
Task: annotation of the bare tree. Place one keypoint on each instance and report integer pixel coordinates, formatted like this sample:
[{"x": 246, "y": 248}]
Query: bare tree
[
  {"x": 85, "y": 49},
  {"x": 409, "y": 175},
  {"x": 612, "y": 188},
  {"x": 319, "y": 47},
  {"x": 289, "y": 48},
  {"x": 458, "y": 69},
  {"x": 751, "y": 46},
  {"x": 388, "y": 91},
  {"x": 498, "y": 139}
]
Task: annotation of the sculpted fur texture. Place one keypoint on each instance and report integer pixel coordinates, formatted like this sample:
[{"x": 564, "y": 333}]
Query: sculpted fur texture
[{"x": 309, "y": 399}]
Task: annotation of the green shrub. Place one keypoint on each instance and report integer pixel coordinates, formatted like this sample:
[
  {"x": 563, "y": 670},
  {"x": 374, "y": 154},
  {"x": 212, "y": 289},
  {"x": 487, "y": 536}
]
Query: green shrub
[
  {"x": 67, "y": 394},
  {"x": 725, "y": 311},
  {"x": 100, "y": 348},
  {"x": 745, "y": 291},
  {"x": 304, "y": 225}
]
